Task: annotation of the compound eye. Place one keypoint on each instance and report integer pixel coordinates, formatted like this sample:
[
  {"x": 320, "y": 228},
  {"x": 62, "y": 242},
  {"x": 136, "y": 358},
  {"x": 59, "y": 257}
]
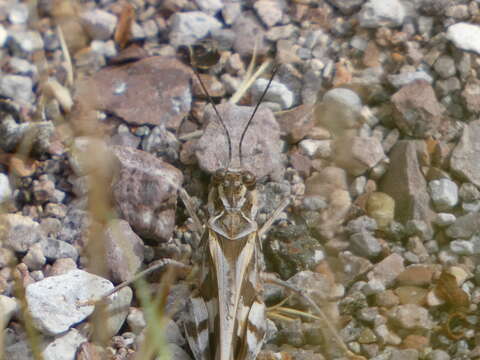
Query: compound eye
[
  {"x": 248, "y": 179},
  {"x": 219, "y": 176}
]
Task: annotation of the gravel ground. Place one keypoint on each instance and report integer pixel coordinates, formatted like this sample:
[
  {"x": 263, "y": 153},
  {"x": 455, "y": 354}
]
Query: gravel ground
[{"x": 370, "y": 126}]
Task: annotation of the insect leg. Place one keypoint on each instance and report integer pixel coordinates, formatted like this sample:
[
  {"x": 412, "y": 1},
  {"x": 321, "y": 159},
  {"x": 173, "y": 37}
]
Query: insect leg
[
  {"x": 268, "y": 224},
  {"x": 254, "y": 332}
]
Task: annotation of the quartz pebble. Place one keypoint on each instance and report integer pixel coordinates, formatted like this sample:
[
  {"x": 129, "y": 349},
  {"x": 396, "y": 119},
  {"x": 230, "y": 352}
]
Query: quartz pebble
[
  {"x": 187, "y": 27},
  {"x": 377, "y": 13},
  {"x": 464, "y": 36},
  {"x": 444, "y": 193}
]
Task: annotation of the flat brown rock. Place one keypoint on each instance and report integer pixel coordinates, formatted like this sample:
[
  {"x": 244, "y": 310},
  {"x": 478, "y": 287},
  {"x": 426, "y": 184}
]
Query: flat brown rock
[{"x": 153, "y": 90}]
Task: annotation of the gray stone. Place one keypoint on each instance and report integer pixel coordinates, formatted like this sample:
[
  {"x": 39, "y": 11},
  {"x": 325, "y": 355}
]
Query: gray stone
[
  {"x": 438, "y": 355},
  {"x": 417, "y": 111},
  {"x": 462, "y": 247},
  {"x": 34, "y": 259},
  {"x": 136, "y": 320},
  {"x": 269, "y": 11},
  {"x": 347, "y": 7},
  {"x": 406, "y": 354},
  {"x": 387, "y": 270},
  {"x": 188, "y": 27},
  {"x": 150, "y": 210},
  {"x": 360, "y": 224},
  {"x": 99, "y": 24},
  {"x": 231, "y": 11},
  {"x": 405, "y": 183},
  {"x": 21, "y": 66},
  {"x": 404, "y": 78},
  {"x": 444, "y": 193},
  {"x": 378, "y": 13},
  {"x": 465, "y": 226},
  {"x": 469, "y": 192},
  {"x": 162, "y": 143},
  {"x": 18, "y": 13},
  {"x": 365, "y": 244},
  {"x": 64, "y": 347},
  {"x": 123, "y": 250},
  {"x": 444, "y": 219},
  {"x": 445, "y": 66},
  {"x": 17, "y": 87},
  {"x": 387, "y": 337},
  {"x": 277, "y": 93},
  {"x": 260, "y": 148},
  {"x": 53, "y": 302},
  {"x": 19, "y": 232},
  {"x": 339, "y": 110},
  {"x": 250, "y": 35},
  {"x": 465, "y": 36},
  {"x": 411, "y": 317},
  {"x": 176, "y": 353},
  {"x": 56, "y": 249},
  {"x": 117, "y": 310},
  {"x": 25, "y": 42},
  {"x": 464, "y": 160},
  {"x": 19, "y": 350},
  {"x": 211, "y": 7},
  {"x": 357, "y": 154},
  {"x": 5, "y": 189}
]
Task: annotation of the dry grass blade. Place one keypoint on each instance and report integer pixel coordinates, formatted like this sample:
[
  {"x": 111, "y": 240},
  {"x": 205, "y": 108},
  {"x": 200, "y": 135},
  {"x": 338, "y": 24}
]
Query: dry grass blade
[{"x": 66, "y": 55}]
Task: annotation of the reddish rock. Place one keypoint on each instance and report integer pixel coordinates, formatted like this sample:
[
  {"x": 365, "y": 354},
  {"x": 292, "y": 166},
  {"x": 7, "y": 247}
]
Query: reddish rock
[
  {"x": 417, "y": 275},
  {"x": 417, "y": 111},
  {"x": 154, "y": 91},
  {"x": 144, "y": 192}
]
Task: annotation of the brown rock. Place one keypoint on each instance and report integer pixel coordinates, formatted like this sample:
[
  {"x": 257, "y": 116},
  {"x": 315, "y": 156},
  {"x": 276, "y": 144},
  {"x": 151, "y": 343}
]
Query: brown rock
[
  {"x": 417, "y": 275},
  {"x": 153, "y": 91},
  {"x": 387, "y": 270},
  {"x": 417, "y": 111},
  {"x": 471, "y": 96},
  {"x": 260, "y": 145},
  {"x": 417, "y": 342},
  {"x": 405, "y": 183},
  {"x": 250, "y": 35},
  {"x": 144, "y": 192},
  {"x": 411, "y": 295},
  {"x": 371, "y": 58},
  {"x": 297, "y": 122}
]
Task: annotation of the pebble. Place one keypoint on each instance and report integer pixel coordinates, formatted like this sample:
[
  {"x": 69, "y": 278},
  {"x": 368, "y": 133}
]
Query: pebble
[
  {"x": 34, "y": 259},
  {"x": 3, "y": 36},
  {"x": 444, "y": 219},
  {"x": 438, "y": 355},
  {"x": 123, "y": 250},
  {"x": 117, "y": 310},
  {"x": 444, "y": 193},
  {"x": 17, "y": 87},
  {"x": 445, "y": 66},
  {"x": 464, "y": 36},
  {"x": 277, "y": 93},
  {"x": 269, "y": 11},
  {"x": 381, "y": 207},
  {"x": 210, "y": 6},
  {"x": 136, "y": 320},
  {"x": 404, "y": 78},
  {"x": 150, "y": 210},
  {"x": 387, "y": 270},
  {"x": 5, "y": 189},
  {"x": 365, "y": 244},
  {"x": 188, "y": 27},
  {"x": 52, "y": 302},
  {"x": 378, "y": 13},
  {"x": 64, "y": 347},
  {"x": 19, "y": 232},
  {"x": 462, "y": 247},
  {"x": 99, "y": 24},
  {"x": 416, "y": 275},
  {"x": 411, "y": 317},
  {"x": 464, "y": 227},
  {"x": 25, "y": 42},
  {"x": 464, "y": 159},
  {"x": 18, "y": 13}
]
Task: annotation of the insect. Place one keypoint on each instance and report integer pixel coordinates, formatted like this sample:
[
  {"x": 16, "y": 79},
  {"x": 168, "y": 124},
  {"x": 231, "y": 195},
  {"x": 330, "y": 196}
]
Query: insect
[{"x": 226, "y": 314}]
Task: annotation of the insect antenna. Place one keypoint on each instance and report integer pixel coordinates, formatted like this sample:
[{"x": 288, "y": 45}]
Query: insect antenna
[
  {"x": 275, "y": 69},
  {"x": 198, "y": 55}
]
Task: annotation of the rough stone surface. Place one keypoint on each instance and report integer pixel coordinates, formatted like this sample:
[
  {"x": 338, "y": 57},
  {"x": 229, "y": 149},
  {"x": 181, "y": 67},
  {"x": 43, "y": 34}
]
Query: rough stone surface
[
  {"x": 365, "y": 244},
  {"x": 260, "y": 144},
  {"x": 387, "y": 270},
  {"x": 465, "y": 36},
  {"x": 19, "y": 232},
  {"x": 250, "y": 33},
  {"x": 99, "y": 24},
  {"x": 153, "y": 91},
  {"x": 270, "y": 11},
  {"x": 144, "y": 192},
  {"x": 417, "y": 111},
  {"x": 339, "y": 111},
  {"x": 277, "y": 93},
  {"x": 444, "y": 193},
  {"x": 17, "y": 87},
  {"x": 52, "y": 302},
  {"x": 357, "y": 154},
  {"x": 64, "y": 347},
  {"x": 377, "y": 13},
  {"x": 411, "y": 317},
  {"x": 465, "y": 226},
  {"x": 464, "y": 160},
  {"x": 124, "y": 250},
  {"x": 405, "y": 183},
  {"x": 117, "y": 309},
  {"x": 187, "y": 27},
  {"x": 56, "y": 249}
]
